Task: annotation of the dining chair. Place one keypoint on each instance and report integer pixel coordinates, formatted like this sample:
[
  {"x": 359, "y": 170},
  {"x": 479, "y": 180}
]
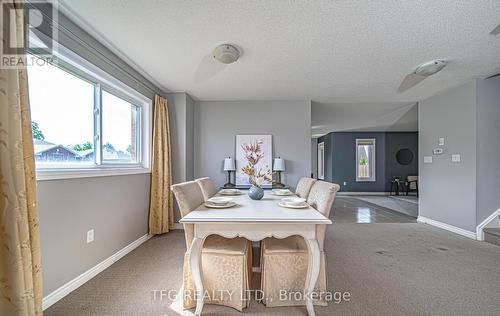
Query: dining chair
[
  {"x": 284, "y": 261},
  {"x": 304, "y": 186},
  {"x": 226, "y": 263},
  {"x": 207, "y": 187}
]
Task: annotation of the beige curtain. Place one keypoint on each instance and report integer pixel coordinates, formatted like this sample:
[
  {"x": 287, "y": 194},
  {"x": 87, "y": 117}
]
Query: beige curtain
[
  {"x": 161, "y": 212},
  {"x": 20, "y": 275}
]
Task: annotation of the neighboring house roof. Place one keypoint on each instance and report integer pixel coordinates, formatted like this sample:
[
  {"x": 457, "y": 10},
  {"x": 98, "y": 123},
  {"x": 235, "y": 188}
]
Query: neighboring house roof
[
  {"x": 86, "y": 153},
  {"x": 41, "y": 146}
]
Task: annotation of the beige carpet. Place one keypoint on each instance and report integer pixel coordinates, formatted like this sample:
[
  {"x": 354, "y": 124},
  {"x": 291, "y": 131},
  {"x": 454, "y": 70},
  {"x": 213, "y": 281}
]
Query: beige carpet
[{"x": 389, "y": 269}]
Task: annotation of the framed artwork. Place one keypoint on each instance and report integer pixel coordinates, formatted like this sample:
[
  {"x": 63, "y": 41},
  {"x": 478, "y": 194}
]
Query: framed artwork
[{"x": 254, "y": 160}]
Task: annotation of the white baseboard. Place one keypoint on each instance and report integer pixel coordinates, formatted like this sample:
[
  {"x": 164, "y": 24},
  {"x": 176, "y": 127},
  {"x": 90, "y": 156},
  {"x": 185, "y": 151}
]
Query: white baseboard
[
  {"x": 480, "y": 227},
  {"x": 178, "y": 226},
  {"x": 72, "y": 285},
  {"x": 362, "y": 193},
  {"x": 451, "y": 228}
]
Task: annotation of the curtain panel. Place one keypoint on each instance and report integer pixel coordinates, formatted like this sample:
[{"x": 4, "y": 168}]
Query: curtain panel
[
  {"x": 161, "y": 212},
  {"x": 20, "y": 272}
]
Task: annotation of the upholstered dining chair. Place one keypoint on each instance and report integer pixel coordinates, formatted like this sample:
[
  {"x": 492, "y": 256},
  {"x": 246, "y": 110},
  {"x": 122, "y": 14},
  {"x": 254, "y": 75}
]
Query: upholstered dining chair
[
  {"x": 284, "y": 261},
  {"x": 207, "y": 187},
  {"x": 304, "y": 186},
  {"x": 226, "y": 263}
]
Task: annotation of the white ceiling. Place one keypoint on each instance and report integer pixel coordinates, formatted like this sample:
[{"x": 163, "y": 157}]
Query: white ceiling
[
  {"x": 373, "y": 117},
  {"x": 327, "y": 51}
]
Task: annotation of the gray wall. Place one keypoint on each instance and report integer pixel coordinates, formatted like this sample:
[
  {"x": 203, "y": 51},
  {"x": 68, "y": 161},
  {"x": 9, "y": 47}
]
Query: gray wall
[
  {"x": 488, "y": 147},
  {"x": 448, "y": 190},
  {"x": 115, "y": 207},
  {"x": 181, "y": 115},
  {"x": 217, "y": 124}
]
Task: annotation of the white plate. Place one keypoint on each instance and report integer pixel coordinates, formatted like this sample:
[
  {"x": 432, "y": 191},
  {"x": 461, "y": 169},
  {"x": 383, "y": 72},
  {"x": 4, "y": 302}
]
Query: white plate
[
  {"x": 282, "y": 194},
  {"x": 230, "y": 192},
  {"x": 217, "y": 200},
  {"x": 210, "y": 205},
  {"x": 293, "y": 201},
  {"x": 304, "y": 205}
]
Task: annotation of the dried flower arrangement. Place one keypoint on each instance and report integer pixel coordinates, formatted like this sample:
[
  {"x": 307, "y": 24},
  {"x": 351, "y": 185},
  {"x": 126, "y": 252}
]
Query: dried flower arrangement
[{"x": 253, "y": 154}]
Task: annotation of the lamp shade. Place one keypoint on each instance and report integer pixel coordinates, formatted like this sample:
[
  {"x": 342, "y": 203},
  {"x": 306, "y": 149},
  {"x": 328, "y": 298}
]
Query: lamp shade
[
  {"x": 229, "y": 164},
  {"x": 279, "y": 164}
]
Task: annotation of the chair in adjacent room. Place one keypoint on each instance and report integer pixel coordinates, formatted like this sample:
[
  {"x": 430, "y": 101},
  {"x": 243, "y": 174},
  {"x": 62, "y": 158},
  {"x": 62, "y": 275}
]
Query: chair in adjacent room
[
  {"x": 226, "y": 263},
  {"x": 284, "y": 261},
  {"x": 411, "y": 184}
]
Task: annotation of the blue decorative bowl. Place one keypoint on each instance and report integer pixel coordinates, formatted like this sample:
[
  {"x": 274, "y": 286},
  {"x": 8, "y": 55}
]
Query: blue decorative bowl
[{"x": 255, "y": 193}]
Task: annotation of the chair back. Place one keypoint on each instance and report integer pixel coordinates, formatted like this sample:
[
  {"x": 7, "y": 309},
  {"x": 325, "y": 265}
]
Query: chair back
[
  {"x": 321, "y": 198},
  {"x": 207, "y": 187},
  {"x": 189, "y": 197},
  {"x": 304, "y": 186},
  {"x": 412, "y": 181}
]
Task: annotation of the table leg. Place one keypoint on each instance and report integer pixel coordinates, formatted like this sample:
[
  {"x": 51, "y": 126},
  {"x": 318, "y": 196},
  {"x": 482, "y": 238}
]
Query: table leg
[
  {"x": 312, "y": 273},
  {"x": 196, "y": 272}
]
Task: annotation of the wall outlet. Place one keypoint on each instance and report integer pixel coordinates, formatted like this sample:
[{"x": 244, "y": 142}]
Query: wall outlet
[
  {"x": 427, "y": 159},
  {"x": 345, "y": 183},
  {"x": 455, "y": 158},
  {"x": 441, "y": 141},
  {"x": 90, "y": 236}
]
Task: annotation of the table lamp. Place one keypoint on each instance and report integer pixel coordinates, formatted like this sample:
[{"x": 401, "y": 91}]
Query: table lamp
[
  {"x": 229, "y": 166},
  {"x": 279, "y": 166}
]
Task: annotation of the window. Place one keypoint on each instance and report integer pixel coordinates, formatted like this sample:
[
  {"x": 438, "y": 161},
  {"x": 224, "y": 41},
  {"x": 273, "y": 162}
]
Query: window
[
  {"x": 120, "y": 130},
  {"x": 62, "y": 115},
  {"x": 86, "y": 122},
  {"x": 321, "y": 161},
  {"x": 365, "y": 159}
]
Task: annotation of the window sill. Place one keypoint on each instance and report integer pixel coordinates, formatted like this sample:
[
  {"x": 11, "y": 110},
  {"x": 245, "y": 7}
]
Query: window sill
[{"x": 45, "y": 175}]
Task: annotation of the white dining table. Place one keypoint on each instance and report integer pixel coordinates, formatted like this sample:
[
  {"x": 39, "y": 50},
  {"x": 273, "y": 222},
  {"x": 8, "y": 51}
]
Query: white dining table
[{"x": 255, "y": 220}]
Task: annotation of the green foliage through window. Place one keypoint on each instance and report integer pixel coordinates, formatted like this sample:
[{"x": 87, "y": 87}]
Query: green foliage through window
[{"x": 35, "y": 130}]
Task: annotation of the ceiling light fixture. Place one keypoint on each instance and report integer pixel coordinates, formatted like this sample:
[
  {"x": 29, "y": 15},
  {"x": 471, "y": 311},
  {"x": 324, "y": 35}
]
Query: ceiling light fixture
[
  {"x": 431, "y": 67},
  {"x": 226, "y": 53}
]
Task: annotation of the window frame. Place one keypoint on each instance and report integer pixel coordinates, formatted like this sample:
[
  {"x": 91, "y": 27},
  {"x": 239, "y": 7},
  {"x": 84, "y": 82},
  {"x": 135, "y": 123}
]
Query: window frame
[
  {"x": 373, "y": 161},
  {"x": 75, "y": 65}
]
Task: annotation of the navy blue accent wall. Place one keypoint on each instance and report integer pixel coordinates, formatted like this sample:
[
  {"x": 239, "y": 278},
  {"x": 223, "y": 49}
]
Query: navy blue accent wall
[
  {"x": 394, "y": 141},
  {"x": 340, "y": 159}
]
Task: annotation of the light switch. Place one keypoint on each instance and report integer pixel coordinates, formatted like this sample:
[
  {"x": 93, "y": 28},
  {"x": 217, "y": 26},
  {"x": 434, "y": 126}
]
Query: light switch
[
  {"x": 427, "y": 159},
  {"x": 441, "y": 141},
  {"x": 455, "y": 158}
]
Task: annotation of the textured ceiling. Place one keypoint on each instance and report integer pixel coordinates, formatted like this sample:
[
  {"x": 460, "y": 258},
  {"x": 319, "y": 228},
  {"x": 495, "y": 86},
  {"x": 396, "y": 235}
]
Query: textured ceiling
[
  {"x": 343, "y": 117},
  {"x": 327, "y": 51}
]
